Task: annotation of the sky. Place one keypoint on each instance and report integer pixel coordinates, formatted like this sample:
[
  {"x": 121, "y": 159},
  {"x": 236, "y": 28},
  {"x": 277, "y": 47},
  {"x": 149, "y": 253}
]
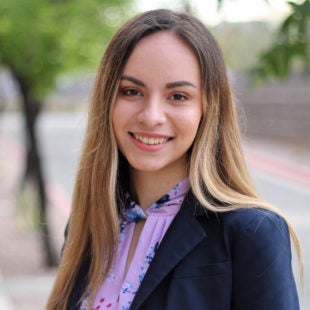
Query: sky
[{"x": 232, "y": 10}]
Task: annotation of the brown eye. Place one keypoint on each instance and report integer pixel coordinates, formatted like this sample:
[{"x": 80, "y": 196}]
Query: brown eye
[
  {"x": 178, "y": 97},
  {"x": 131, "y": 92}
]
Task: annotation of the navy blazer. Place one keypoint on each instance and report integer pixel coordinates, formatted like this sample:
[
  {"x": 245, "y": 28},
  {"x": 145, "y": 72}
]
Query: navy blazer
[{"x": 217, "y": 261}]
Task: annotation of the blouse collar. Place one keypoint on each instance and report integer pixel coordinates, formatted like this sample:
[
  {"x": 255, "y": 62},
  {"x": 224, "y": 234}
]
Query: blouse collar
[{"x": 132, "y": 212}]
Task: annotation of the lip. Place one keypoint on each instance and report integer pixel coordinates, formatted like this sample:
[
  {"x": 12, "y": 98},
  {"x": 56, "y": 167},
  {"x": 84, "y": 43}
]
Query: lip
[{"x": 149, "y": 142}]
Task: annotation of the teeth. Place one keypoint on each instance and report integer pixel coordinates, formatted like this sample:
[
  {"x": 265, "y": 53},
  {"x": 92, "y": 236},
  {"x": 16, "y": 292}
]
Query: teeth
[{"x": 151, "y": 141}]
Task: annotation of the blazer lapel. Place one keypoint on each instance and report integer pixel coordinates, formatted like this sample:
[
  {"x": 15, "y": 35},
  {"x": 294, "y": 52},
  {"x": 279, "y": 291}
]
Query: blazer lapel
[{"x": 182, "y": 236}]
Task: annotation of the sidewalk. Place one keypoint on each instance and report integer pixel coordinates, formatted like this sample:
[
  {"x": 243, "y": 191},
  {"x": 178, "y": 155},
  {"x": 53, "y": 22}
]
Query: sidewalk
[
  {"x": 287, "y": 160},
  {"x": 24, "y": 281}
]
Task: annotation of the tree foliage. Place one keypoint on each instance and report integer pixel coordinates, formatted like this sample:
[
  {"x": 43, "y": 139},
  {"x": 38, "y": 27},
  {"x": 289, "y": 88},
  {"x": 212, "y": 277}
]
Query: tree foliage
[
  {"x": 292, "y": 42},
  {"x": 38, "y": 40},
  {"x": 41, "y": 38}
]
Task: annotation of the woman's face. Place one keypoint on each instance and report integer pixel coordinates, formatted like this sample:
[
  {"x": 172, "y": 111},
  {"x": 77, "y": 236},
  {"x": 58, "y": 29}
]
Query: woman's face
[{"x": 159, "y": 104}]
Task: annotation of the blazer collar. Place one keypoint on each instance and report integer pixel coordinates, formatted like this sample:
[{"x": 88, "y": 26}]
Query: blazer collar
[{"x": 182, "y": 236}]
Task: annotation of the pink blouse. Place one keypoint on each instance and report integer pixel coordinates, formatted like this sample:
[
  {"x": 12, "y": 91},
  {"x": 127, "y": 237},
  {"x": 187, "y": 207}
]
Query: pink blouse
[{"x": 119, "y": 289}]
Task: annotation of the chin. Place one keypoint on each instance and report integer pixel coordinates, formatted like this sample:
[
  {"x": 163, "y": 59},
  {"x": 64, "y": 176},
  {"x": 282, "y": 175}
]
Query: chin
[{"x": 146, "y": 168}]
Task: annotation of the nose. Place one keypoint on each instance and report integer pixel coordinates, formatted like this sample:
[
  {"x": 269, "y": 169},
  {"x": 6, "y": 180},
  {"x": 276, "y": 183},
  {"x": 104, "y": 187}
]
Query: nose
[{"x": 152, "y": 112}]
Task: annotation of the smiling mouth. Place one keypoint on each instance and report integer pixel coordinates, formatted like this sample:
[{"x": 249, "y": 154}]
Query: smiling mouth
[{"x": 150, "y": 140}]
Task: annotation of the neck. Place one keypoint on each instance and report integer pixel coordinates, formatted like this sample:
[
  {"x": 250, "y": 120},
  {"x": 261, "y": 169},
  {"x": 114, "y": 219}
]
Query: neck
[{"x": 147, "y": 187}]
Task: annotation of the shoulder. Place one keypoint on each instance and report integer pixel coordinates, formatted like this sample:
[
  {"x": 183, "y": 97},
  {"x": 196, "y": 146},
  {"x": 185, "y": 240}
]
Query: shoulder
[
  {"x": 246, "y": 220},
  {"x": 249, "y": 230},
  {"x": 259, "y": 228},
  {"x": 256, "y": 242},
  {"x": 253, "y": 220},
  {"x": 258, "y": 236}
]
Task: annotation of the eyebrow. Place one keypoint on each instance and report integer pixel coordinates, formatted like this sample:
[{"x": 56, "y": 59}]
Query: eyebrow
[
  {"x": 133, "y": 80},
  {"x": 179, "y": 83},
  {"x": 168, "y": 85}
]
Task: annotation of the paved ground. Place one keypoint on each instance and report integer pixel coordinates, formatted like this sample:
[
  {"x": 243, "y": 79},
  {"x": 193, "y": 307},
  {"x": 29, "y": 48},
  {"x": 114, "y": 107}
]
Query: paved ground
[{"x": 24, "y": 281}]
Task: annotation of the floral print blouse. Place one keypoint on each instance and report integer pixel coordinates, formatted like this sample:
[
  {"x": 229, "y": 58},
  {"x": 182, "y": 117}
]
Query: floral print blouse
[{"x": 119, "y": 289}]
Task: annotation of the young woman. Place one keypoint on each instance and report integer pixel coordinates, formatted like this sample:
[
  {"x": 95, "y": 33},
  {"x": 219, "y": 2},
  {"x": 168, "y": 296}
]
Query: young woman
[{"x": 164, "y": 214}]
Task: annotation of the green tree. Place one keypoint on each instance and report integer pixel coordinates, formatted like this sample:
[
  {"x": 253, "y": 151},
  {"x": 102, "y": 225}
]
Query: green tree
[
  {"x": 38, "y": 40},
  {"x": 292, "y": 42}
]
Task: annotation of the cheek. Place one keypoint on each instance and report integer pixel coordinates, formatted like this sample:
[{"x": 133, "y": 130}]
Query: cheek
[
  {"x": 118, "y": 117},
  {"x": 114, "y": 121},
  {"x": 190, "y": 123},
  {"x": 117, "y": 128},
  {"x": 123, "y": 112},
  {"x": 194, "y": 127}
]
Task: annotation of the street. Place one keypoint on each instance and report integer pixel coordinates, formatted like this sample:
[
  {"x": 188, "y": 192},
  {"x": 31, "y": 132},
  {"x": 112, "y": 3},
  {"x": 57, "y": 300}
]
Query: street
[{"x": 61, "y": 135}]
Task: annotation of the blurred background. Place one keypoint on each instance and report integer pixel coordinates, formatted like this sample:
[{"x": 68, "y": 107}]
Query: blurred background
[{"x": 49, "y": 52}]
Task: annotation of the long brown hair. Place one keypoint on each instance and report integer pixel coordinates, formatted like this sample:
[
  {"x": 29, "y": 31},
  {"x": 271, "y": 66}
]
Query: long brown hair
[{"x": 217, "y": 168}]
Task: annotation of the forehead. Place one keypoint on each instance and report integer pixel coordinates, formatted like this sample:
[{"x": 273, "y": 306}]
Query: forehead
[{"x": 164, "y": 52}]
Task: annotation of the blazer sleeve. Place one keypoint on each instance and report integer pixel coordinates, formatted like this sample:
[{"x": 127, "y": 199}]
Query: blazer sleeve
[{"x": 261, "y": 257}]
